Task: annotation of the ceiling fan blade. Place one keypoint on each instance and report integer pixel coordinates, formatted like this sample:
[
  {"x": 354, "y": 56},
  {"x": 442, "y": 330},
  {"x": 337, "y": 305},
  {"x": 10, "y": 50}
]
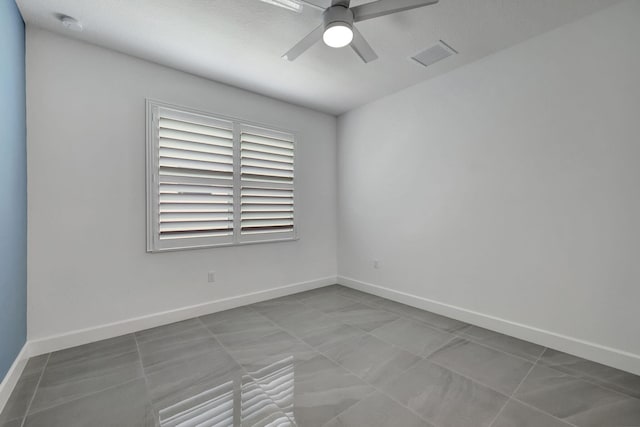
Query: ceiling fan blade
[
  {"x": 362, "y": 48},
  {"x": 344, "y": 3},
  {"x": 313, "y": 5},
  {"x": 305, "y": 43},
  {"x": 293, "y": 5},
  {"x": 386, "y": 7}
]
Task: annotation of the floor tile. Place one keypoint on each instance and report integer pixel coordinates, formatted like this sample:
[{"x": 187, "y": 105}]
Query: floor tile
[
  {"x": 440, "y": 322},
  {"x": 235, "y": 320},
  {"x": 16, "y": 406},
  {"x": 215, "y": 405},
  {"x": 328, "y": 357},
  {"x": 504, "y": 343},
  {"x": 66, "y": 378},
  {"x": 276, "y": 310},
  {"x": 156, "y": 354},
  {"x": 309, "y": 392},
  {"x": 256, "y": 349},
  {"x": 258, "y": 409},
  {"x": 232, "y": 400},
  {"x": 175, "y": 333},
  {"x": 316, "y": 328},
  {"x": 124, "y": 405},
  {"x": 377, "y": 410},
  {"x": 93, "y": 351},
  {"x": 497, "y": 370},
  {"x": 35, "y": 365},
  {"x": 332, "y": 289},
  {"x": 323, "y": 390},
  {"x": 577, "y": 401},
  {"x": 162, "y": 345},
  {"x": 373, "y": 360},
  {"x": 607, "y": 376},
  {"x": 445, "y": 398},
  {"x": 305, "y": 322},
  {"x": 11, "y": 423},
  {"x": 399, "y": 308},
  {"x": 413, "y": 336},
  {"x": 328, "y": 301},
  {"x": 330, "y": 334},
  {"x": 358, "y": 295},
  {"x": 277, "y": 381},
  {"x": 515, "y": 414},
  {"x": 183, "y": 378},
  {"x": 362, "y": 316}
]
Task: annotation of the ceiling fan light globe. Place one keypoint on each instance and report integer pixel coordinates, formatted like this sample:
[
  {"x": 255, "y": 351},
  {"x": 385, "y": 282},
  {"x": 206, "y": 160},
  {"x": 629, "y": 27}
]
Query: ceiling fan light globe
[{"x": 338, "y": 35}]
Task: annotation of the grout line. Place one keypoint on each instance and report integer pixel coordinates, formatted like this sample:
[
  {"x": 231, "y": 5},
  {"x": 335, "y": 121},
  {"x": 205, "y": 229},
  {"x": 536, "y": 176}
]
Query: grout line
[
  {"x": 315, "y": 350},
  {"x": 483, "y": 384},
  {"x": 375, "y": 388},
  {"x": 242, "y": 368},
  {"x": 512, "y": 397},
  {"x": 455, "y": 334},
  {"x": 35, "y": 390},
  {"x": 515, "y": 390},
  {"x": 485, "y": 345},
  {"x": 589, "y": 379},
  {"x": 359, "y": 402},
  {"x": 427, "y": 357},
  {"x": 515, "y": 399},
  {"x": 156, "y": 414},
  {"x": 82, "y": 396},
  {"x": 416, "y": 319},
  {"x": 365, "y": 332}
]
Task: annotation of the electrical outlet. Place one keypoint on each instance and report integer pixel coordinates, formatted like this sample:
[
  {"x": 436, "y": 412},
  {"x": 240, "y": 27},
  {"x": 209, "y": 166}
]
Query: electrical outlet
[
  {"x": 211, "y": 276},
  {"x": 376, "y": 263}
]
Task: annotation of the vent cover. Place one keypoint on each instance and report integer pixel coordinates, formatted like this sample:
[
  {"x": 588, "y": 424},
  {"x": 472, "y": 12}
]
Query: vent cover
[{"x": 435, "y": 53}]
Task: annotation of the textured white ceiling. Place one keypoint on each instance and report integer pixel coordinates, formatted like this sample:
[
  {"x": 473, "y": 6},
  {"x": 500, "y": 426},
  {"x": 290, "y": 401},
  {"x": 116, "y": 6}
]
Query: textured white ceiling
[{"x": 240, "y": 42}]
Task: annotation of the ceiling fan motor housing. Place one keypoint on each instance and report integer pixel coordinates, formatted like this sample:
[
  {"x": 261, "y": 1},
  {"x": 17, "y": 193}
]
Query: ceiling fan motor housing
[
  {"x": 338, "y": 15},
  {"x": 337, "y": 28}
]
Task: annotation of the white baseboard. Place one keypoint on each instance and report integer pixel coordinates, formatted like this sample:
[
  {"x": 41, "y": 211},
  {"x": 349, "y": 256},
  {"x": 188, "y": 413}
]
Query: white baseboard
[
  {"x": 13, "y": 375},
  {"x": 88, "y": 335},
  {"x": 588, "y": 350}
]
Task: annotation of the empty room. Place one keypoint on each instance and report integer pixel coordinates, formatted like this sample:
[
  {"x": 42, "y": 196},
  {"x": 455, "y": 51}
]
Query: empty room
[{"x": 320, "y": 213}]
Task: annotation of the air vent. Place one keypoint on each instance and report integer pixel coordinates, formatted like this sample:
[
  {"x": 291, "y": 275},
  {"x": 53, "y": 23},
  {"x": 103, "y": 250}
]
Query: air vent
[{"x": 435, "y": 53}]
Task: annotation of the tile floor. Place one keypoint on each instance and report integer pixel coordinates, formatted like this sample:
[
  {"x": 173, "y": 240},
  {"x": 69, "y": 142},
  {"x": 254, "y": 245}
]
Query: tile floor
[{"x": 329, "y": 357}]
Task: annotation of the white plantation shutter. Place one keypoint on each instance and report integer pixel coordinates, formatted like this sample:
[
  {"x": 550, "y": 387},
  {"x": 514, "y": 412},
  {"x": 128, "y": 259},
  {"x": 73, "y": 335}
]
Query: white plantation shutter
[
  {"x": 266, "y": 180},
  {"x": 214, "y": 181},
  {"x": 192, "y": 183}
]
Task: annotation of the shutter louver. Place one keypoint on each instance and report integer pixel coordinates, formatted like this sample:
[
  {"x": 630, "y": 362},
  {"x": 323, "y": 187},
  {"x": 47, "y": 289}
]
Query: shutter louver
[
  {"x": 195, "y": 211},
  {"x": 266, "y": 175},
  {"x": 194, "y": 150}
]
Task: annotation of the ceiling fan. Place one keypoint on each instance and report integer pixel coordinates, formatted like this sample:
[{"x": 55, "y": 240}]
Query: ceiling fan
[{"x": 337, "y": 29}]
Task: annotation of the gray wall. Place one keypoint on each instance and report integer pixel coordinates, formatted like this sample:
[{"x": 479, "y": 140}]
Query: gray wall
[
  {"x": 13, "y": 187},
  {"x": 88, "y": 265},
  {"x": 507, "y": 190}
]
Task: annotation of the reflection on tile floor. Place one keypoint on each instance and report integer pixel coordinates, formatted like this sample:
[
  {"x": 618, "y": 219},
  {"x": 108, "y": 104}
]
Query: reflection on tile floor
[{"x": 328, "y": 357}]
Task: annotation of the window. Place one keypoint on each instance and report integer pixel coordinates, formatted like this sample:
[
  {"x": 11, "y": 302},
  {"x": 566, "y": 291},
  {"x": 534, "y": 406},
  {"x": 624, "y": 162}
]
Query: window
[{"x": 215, "y": 181}]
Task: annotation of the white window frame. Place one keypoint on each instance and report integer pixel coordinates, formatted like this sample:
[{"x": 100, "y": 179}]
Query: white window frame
[{"x": 152, "y": 183}]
